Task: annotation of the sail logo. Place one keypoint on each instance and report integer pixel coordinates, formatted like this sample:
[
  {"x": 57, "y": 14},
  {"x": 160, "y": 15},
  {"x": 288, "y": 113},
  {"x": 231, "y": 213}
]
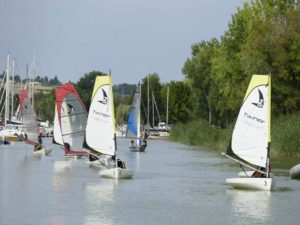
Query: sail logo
[
  {"x": 104, "y": 99},
  {"x": 71, "y": 108},
  {"x": 102, "y": 111},
  {"x": 260, "y": 103},
  {"x": 253, "y": 118}
]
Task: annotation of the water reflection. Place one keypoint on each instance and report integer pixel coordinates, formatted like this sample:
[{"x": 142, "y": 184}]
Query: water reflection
[
  {"x": 254, "y": 205},
  {"x": 100, "y": 203},
  {"x": 60, "y": 166}
]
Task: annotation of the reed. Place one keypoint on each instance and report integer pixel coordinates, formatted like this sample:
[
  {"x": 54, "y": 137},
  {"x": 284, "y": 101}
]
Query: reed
[
  {"x": 201, "y": 133},
  {"x": 285, "y": 135}
]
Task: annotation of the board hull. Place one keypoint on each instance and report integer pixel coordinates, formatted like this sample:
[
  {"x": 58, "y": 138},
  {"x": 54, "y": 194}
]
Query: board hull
[
  {"x": 251, "y": 183},
  {"x": 116, "y": 173}
]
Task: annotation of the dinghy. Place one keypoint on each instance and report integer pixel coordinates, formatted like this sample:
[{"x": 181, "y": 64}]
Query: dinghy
[
  {"x": 33, "y": 135},
  {"x": 134, "y": 123},
  {"x": 251, "y": 138},
  {"x": 70, "y": 121},
  {"x": 100, "y": 138}
]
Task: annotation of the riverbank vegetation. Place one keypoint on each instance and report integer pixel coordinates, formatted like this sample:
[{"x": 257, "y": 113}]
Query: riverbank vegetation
[
  {"x": 263, "y": 37},
  {"x": 285, "y": 131}
]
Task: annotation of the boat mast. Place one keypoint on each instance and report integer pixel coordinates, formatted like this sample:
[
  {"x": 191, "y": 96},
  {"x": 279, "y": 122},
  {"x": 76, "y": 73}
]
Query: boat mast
[
  {"x": 148, "y": 105},
  {"x": 269, "y": 127},
  {"x": 167, "y": 118},
  {"x": 12, "y": 90},
  {"x": 152, "y": 109},
  {"x": 139, "y": 116},
  {"x": 6, "y": 115},
  {"x": 33, "y": 78}
]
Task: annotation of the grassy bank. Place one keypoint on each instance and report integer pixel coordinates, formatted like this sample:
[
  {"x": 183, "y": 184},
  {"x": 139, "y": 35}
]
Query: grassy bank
[{"x": 285, "y": 135}]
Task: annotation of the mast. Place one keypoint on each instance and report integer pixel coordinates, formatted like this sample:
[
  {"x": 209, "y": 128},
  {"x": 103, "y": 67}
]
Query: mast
[
  {"x": 152, "y": 109},
  {"x": 148, "y": 105},
  {"x": 167, "y": 118},
  {"x": 33, "y": 78},
  {"x": 139, "y": 116},
  {"x": 12, "y": 90},
  {"x": 269, "y": 127},
  {"x": 6, "y": 115}
]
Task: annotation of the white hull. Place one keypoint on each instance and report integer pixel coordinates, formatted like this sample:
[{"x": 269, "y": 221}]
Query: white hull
[
  {"x": 295, "y": 172},
  {"x": 251, "y": 183},
  {"x": 42, "y": 152},
  {"x": 116, "y": 173}
]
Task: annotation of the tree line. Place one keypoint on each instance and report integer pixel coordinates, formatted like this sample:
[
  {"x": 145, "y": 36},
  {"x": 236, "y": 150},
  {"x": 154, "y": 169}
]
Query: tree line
[{"x": 263, "y": 37}]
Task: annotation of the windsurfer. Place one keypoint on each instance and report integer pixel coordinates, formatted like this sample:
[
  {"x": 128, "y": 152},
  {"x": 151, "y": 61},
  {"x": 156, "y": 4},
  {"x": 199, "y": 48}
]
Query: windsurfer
[
  {"x": 92, "y": 158},
  {"x": 131, "y": 143},
  {"x": 67, "y": 147},
  {"x": 121, "y": 164},
  {"x": 145, "y": 142},
  {"x": 37, "y": 147}
]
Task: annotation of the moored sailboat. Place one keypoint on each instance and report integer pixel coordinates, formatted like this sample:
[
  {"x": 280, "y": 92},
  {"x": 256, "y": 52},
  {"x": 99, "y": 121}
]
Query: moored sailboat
[
  {"x": 251, "y": 138},
  {"x": 100, "y": 138},
  {"x": 134, "y": 123}
]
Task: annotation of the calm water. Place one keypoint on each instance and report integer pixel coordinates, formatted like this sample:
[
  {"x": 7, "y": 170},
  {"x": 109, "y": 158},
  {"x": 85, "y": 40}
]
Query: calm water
[{"x": 173, "y": 184}]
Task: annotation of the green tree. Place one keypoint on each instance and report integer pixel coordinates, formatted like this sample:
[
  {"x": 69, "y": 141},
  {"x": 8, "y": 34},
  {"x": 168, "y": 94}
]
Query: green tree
[
  {"x": 44, "y": 105},
  {"x": 198, "y": 70},
  {"x": 180, "y": 102},
  {"x": 85, "y": 86}
]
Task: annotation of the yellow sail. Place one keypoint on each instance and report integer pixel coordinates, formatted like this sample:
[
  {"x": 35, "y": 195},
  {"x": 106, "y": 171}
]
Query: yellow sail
[
  {"x": 100, "y": 129},
  {"x": 251, "y": 135}
]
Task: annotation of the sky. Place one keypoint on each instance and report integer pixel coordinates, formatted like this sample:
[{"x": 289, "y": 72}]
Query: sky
[{"x": 132, "y": 38}]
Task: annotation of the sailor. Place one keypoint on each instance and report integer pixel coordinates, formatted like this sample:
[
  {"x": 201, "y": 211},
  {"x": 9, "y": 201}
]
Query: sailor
[
  {"x": 145, "y": 142},
  {"x": 40, "y": 138},
  {"x": 92, "y": 158},
  {"x": 121, "y": 164},
  {"x": 67, "y": 147},
  {"x": 132, "y": 143}
]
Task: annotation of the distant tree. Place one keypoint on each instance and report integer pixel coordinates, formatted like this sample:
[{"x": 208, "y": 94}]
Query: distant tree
[
  {"x": 180, "y": 102},
  {"x": 85, "y": 86},
  {"x": 54, "y": 81},
  {"x": 44, "y": 105}
]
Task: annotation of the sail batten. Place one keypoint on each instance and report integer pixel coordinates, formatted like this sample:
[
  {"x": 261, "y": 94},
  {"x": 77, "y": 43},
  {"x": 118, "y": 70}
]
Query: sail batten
[{"x": 251, "y": 134}]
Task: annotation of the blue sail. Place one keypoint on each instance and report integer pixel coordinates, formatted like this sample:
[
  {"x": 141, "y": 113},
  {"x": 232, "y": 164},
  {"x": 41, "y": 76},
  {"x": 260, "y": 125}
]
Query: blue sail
[{"x": 132, "y": 127}]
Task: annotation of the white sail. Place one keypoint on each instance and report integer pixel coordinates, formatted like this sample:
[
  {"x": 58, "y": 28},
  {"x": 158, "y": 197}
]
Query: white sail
[
  {"x": 251, "y": 133},
  {"x": 28, "y": 118},
  {"x": 57, "y": 136},
  {"x": 100, "y": 129}
]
